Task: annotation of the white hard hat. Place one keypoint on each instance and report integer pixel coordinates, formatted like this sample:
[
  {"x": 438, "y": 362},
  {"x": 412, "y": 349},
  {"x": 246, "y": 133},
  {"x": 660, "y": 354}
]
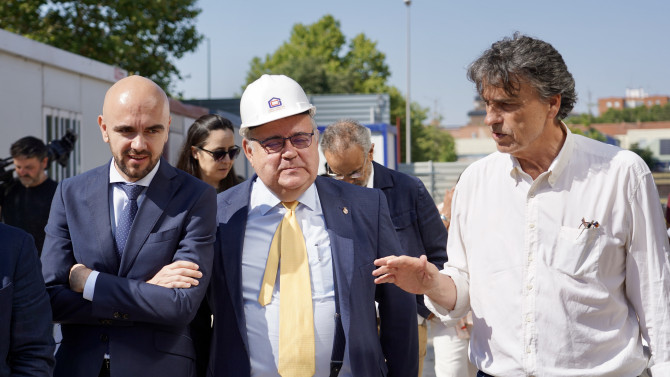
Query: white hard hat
[{"x": 272, "y": 97}]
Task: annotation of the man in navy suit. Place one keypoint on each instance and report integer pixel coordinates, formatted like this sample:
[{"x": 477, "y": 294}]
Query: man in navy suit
[
  {"x": 125, "y": 288},
  {"x": 349, "y": 150},
  {"x": 344, "y": 228},
  {"x": 26, "y": 344}
]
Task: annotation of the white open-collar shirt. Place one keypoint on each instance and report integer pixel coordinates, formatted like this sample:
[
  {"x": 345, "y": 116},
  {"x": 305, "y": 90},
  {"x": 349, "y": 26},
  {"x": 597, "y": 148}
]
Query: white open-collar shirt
[{"x": 550, "y": 298}]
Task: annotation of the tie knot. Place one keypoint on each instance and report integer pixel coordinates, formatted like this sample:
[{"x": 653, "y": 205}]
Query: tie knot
[
  {"x": 132, "y": 191},
  {"x": 291, "y": 205}
]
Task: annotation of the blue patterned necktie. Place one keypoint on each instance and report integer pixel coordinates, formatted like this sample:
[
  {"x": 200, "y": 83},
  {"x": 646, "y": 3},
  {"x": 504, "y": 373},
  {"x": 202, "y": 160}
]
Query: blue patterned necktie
[{"x": 127, "y": 215}]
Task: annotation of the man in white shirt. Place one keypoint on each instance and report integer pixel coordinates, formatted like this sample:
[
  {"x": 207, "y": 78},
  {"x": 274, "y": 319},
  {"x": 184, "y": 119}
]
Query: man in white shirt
[
  {"x": 557, "y": 241},
  {"x": 338, "y": 231}
]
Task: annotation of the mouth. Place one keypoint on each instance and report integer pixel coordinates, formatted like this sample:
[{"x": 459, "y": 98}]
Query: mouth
[
  {"x": 137, "y": 157},
  {"x": 289, "y": 169},
  {"x": 498, "y": 135}
]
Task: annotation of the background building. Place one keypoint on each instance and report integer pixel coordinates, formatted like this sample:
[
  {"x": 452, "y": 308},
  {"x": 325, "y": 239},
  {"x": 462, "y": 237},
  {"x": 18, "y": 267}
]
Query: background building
[
  {"x": 634, "y": 98},
  {"x": 45, "y": 91}
]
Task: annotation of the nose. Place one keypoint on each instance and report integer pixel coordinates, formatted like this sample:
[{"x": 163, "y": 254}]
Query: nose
[
  {"x": 289, "y": 151},
  {"x": 138, "y": 143},
  {"x": 492, "y": 116}
]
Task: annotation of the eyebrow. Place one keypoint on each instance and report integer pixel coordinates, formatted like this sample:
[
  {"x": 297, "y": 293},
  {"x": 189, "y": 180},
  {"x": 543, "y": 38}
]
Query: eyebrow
[{"x": 125, "y": 127}]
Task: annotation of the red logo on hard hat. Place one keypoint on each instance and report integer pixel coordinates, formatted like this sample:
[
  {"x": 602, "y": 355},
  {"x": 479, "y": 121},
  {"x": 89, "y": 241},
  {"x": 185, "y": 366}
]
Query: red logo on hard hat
[{"x": 274, "y": 102}]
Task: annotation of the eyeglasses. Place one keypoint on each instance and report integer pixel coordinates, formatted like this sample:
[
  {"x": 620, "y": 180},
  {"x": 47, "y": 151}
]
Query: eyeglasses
[
  {"x": 275, "y": 144},
  {"x": 355, "y": 175},
  {"x": 220, "y": 154}
]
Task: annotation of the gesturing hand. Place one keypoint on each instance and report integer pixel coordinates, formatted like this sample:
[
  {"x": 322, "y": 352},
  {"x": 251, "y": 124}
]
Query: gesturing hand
[
  {"x": 179, "y": 274},
  {"x": 414, "y": 275}
]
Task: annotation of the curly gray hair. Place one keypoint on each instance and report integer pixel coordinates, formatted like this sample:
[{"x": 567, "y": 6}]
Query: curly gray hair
[{"x": 512, "y": 61}]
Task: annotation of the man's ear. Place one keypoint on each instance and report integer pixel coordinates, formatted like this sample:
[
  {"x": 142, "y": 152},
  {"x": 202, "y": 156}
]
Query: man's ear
[
  {"x": 103, "y": 129},
  {"x": 248, "y": 149},
  {"x": 554, "y": 105}
]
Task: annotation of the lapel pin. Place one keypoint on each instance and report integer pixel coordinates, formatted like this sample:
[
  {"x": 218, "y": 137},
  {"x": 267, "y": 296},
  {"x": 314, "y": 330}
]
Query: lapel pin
[{"x": 345, "y": 210}]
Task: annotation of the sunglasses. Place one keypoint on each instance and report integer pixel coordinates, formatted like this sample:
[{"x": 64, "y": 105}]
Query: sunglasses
[{"x": 220, "y": 154}]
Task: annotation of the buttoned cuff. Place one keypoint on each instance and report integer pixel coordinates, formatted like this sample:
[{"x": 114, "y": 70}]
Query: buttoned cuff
[
  {"x": 89, "y": 286},
  {"x": 450, "y": 317}
]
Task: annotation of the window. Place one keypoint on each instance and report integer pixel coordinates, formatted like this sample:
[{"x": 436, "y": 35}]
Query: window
[
  {"x": 665, "y": 146},
  {"x": 56, "y": 124}
]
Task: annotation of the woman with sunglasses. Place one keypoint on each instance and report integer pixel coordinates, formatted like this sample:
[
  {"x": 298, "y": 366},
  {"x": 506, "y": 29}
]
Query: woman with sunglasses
[{"x": 209, "y": 152}]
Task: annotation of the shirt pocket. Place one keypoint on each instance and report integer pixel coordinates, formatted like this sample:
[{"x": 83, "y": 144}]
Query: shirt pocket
[{"x": 577, "y": 251}]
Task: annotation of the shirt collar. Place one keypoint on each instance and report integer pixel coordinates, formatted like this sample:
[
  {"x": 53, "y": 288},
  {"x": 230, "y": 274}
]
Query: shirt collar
[
  {"x": 557, "y": 166},
  {"x": 115, "y": 176},
  {"x": 263, "y": 197},
  {"x": 371, "y": 178}
]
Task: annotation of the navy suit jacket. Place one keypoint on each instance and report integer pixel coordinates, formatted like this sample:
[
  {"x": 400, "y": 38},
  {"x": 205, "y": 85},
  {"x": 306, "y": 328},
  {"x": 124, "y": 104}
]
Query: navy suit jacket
[
  {"x": 26, "y": 342},
  {"x": 358, "y": 236},
  {"x": 415, "y": 217},
  {"x": 142, "y": 326}
]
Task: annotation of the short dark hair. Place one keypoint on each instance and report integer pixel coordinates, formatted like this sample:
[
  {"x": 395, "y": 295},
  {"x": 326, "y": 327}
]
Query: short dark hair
[
  {"x": 29, "y": 147},
  {"x": 196, "y": 137},
  {"x": 512, "y": 61}
]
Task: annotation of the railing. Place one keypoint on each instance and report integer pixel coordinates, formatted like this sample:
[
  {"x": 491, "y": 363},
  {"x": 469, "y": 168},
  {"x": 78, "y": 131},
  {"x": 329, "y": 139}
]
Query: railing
[
  {"x": 436, "y": 176},
  {"x": 440, "y": 176}
]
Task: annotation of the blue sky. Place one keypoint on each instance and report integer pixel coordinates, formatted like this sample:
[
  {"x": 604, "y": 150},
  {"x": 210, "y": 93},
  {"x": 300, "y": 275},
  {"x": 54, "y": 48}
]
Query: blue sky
[{"x": 608, "y": 45}]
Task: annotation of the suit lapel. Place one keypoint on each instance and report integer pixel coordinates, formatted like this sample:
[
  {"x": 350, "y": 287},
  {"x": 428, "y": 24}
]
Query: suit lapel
[
  {"x": 232, "y": 219},
  {"x": 96, "y": 198},
  {"x": 382, "y": 178},
  {"x": 158, "y": 195},
  {"x": 338, "y": 218}
]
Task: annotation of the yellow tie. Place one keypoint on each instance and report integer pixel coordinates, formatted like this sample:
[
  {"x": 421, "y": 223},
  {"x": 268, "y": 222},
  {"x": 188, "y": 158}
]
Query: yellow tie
[{"x": 296, "y": 318}]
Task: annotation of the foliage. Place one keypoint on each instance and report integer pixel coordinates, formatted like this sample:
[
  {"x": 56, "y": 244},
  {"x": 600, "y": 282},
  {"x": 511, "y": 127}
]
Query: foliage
[
  {"x": 142, "y": 37},
  {"x": 314, "y": 56},
  {"x": 638, "y": 114},
  {"x": 590, "y": 132},
  {"x": 646, "y": 154},
  {"x": 320, "y": 59}
]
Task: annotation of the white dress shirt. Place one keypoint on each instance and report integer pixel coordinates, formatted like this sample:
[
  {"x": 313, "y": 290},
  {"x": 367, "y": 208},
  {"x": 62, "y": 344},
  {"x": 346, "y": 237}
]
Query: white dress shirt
[
  {"x": 117, "y": 201},
  {"x": 265, "y": 214},
  {"x": 549, "y": 297}
]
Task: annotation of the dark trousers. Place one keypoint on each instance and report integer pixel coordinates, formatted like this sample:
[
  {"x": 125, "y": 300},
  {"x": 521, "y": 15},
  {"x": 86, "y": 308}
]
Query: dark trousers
[{"x": 482, "y": 374}]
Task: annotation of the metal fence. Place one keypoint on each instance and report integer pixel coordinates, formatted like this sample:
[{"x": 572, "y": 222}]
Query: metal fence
[
  {"x": 436, "y": 176},
  {"x": 440, "y": 176}
]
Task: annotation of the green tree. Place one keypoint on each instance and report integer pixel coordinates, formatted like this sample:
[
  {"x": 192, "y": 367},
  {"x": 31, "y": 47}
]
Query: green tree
[
  {"x": 142, "y": 37},
  {"x": 590, "y": 132},
  {"x": 319, "y": 57},
  {"x": 315, "y": 57},
  {"x": 654, "y": 113},
  {"x": 646, "y": 154}
]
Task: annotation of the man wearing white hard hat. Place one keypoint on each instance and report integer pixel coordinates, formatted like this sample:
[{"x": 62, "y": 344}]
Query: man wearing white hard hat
[{"x": 293, "y": 293}]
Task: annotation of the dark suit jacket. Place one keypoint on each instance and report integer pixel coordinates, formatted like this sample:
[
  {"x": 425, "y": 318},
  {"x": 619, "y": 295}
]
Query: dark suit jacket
[
  {"x": 26, "y": 341},
  {"x": 415, "y": 217},
  {"x": 357, "y": 238},
  {"x": 144, "y": 327}
]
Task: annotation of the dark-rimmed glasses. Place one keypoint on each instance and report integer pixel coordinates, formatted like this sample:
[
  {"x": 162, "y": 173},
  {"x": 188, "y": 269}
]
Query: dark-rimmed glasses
[
  {"x": 275, "y": 144},
  {"x": 220, "y": 154}
]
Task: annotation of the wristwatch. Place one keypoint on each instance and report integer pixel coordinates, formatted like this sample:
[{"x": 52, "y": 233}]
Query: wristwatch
[{"x": 444, "y": 217}]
